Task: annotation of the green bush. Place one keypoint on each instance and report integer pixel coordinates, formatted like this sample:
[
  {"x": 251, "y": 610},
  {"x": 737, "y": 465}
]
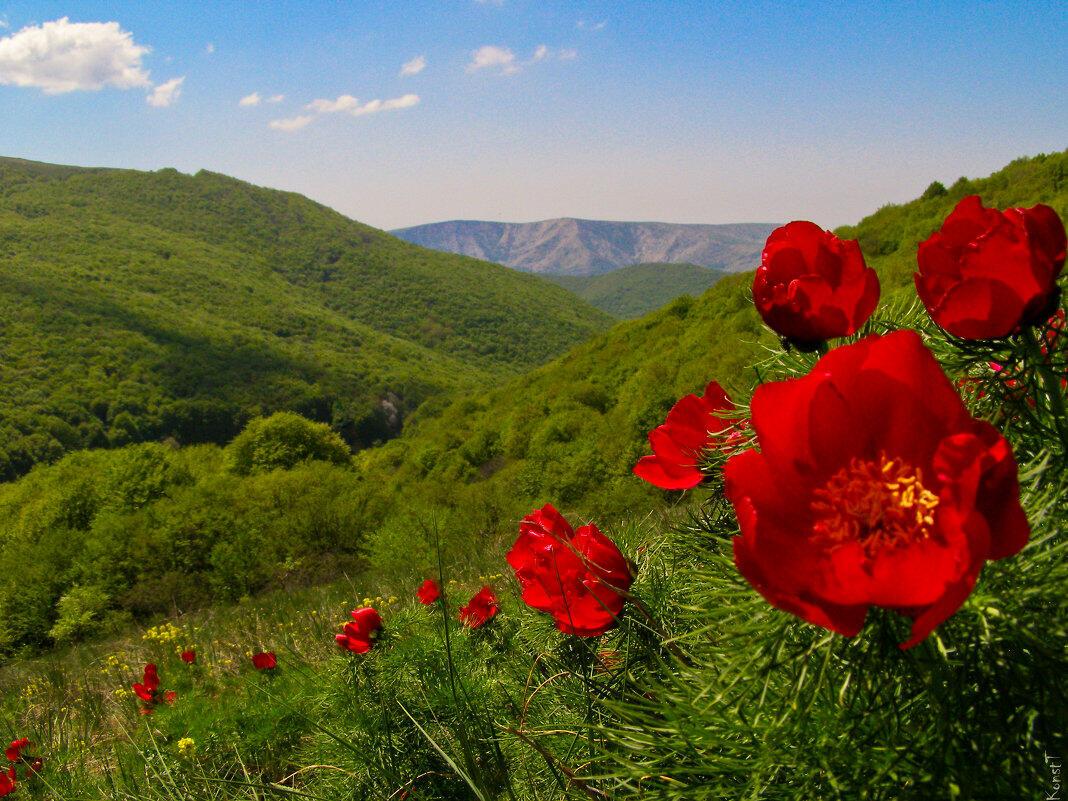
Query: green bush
[{"x": 281, "y": 441}]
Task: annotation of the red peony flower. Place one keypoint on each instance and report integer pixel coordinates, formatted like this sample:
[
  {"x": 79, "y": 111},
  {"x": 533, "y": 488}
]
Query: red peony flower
[
  {"x": 428, "y": 592},
  {"x": 8, "y": 783},
  {"x": 987, "y": 273},
  {"x": 693, "y": 426},
  {"x": 812, "y": 286},
  {"x": 576, "y": 576},
  {"x": 873, "y": 486},
  {"x": 189, "y": 657},
  {"x": 265, "y": 660},
  {"x": 359, "y": 635},
  {"x": 148, "y": 687},
  {"x": 480, "y": 610},
  {"x": 14, "y": 751}
]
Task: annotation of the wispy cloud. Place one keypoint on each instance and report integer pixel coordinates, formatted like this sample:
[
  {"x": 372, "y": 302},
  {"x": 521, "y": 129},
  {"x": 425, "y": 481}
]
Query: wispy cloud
[
  {"x": 584, "y": 25},
  {"x": 342, "y": 103},
  {"x": 276, "y": 98},
  {"x": 413, "y": 67},
  {"x": 209, "y": 48},
  {"x": 493, "y": 57},
  {"x": 504, "y": 61},
  {"x": 4, "y": 23},
  {"x": 291, "y": 123},
  {"x": 64, "y": 56},
  {"x": 166, "y": 93},
  {"x": 253, "y": 99}
]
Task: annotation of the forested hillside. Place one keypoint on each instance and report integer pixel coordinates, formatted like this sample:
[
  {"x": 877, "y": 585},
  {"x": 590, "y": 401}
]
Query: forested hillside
[
  {"x": 138, "y": 306},
  {"x": 640, "y": 288}
]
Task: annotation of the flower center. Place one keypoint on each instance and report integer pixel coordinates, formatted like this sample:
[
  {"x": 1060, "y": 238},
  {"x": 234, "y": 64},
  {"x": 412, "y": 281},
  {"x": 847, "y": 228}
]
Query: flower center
[{"x": 881, "y": 504}]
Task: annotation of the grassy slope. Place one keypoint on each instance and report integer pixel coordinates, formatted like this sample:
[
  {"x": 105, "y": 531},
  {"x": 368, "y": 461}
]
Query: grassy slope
[
  {"x": 632, "y": 291},
  {"x": 139, "y": 305}
]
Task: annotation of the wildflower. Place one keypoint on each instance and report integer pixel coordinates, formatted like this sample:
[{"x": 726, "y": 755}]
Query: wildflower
[
  {"x": 265, "y": 661},
  {"x": 987, "y": 273},
  {"x": 8, "y": 783},
  {"x": 873, "y": 486},
  {"x": 359, "y": 635},
  {"x": 578, "y": 577},
  {"x": 812, "y": 286},
  {"x": 14, "y": 751},
  {"x": 428, "y": 592},
  {"x": 480, "y": 609},
  {"x": 187, "y": 746},
  {"x": 188, "y": 656},
  {"x": 694, "y": 425},
  {"x": 148, "y": 690}
]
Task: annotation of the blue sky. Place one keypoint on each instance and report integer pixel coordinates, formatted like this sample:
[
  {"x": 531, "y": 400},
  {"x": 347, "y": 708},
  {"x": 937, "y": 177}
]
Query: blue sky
[{"x": 675, "y": 111}]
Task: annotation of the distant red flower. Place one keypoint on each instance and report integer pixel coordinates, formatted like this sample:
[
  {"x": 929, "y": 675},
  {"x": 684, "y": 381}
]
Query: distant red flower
[
  {"x": 695, "y": 425},
  {"x": 148, "y": 688},
  {"x": 14, "y": 751},
  {"x": 812, "y": 286},
  {"x": 36, "y": 766},
  {"x": 873, "y": 486},
  {"x": 359, "y": 635},
  {"x": 987, "y": 273},
  {"x": 264, "y": 660},
  {"x": 189, "y": 657},
  {"x": 170, "y": 696},
  {"x": 576, "y": 576},
  {"x": 8, "y": 783},
  {"x": 428, "y": 592},
  {"x": 480, "y": 609}
]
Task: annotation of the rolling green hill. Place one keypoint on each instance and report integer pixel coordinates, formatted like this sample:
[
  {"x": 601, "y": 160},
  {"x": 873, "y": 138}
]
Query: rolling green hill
[
  {"x": 137, "y": 306},
  {"x": 570, "y": 431},
  {"x": 640, "y": 288}
]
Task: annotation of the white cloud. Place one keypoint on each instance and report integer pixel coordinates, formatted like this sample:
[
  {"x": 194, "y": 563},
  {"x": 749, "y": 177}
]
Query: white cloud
[
  {"x": 4, "y": 24},
  {"x": 540, "y": 52},
  {"x": 276, "y": 98},
  {"x": 343, "y": 103},
  {"x": 291, "y": 123},
  {"x": 250, "y": 100},
  {"x": 209, "y": 48},
  {"x": 64, "y": 56},
  {"x": 567, "y": 54},
  {"x": 493, "y": 57},
  {"x": 373, "y": 106},
  {"x": 413, "y": 67},
  {"x": 583, "y": 25},
  {"x": 350, "y": 105},
  {"x": 166, "y": 93}
]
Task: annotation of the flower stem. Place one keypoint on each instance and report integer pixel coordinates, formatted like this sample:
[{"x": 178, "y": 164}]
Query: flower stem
[{"x": 1050, "y": 385}]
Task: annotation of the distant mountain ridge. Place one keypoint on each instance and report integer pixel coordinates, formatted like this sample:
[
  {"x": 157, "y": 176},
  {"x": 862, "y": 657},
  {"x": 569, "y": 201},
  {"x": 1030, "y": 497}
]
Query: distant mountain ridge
[{"x": 570, "y": 246}]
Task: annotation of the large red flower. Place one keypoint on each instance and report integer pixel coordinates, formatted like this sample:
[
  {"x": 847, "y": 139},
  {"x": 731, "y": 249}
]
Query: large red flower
[
  {"x": 812, "y": 286},
  {"x": 873, "y": 486},
  {"x": 480, "y": 609},
  {"x": 14, "y": 751},
  {"x": 428, "y": 592},
  {"x": 988, "y": 273},
  {"x": 8, "y": 783},
  {"x": 578, "y": 577},
  {"x": 694, "y": 425},
  {"x": 265, "y": 660},
  {"x": 359, "y": 635}
]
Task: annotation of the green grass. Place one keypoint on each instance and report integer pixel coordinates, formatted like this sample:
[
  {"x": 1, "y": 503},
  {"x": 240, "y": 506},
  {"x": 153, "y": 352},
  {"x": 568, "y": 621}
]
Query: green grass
[
  {"x": 632, "y": 291},
  {"x": 138, "y": 306}
]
